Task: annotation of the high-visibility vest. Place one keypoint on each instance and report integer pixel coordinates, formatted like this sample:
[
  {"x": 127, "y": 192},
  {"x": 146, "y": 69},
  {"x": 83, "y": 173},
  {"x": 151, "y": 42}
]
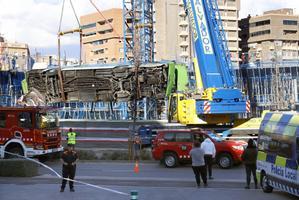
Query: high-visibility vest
[{"x": 71, "y": 138}]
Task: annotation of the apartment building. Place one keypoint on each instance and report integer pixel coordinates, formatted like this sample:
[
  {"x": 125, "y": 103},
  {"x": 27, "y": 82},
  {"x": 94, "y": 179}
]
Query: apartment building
[
  {"x": 273, "y": 36},
  {"x": 172, "y": 33},
  {"x": 102, "y": 37},
  {"x": 14, "y": 55}
]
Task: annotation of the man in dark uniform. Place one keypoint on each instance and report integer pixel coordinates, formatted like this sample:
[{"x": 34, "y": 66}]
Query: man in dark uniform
[{"x": 69, "y": 159}]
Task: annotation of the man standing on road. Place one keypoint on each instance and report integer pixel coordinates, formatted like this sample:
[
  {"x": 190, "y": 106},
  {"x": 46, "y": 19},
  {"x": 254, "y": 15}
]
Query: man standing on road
[
  {"x": 249, "y": 157},
  {"x": 137, "y": 147},
  {"x": 198, "y": 164},
  {"x": 210, "y": 152},
  {"x": 71, "y": 138},
  {"x": 69, "y": 159}
]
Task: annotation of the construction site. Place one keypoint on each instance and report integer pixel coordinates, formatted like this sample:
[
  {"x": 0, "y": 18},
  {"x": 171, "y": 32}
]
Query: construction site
[{"x": 134, "y": 84}]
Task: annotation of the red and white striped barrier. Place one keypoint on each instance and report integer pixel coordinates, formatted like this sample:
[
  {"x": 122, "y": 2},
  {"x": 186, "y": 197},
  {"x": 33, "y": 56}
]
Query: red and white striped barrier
[
  {"x": 206, "y": 107},
  {"x": 248, "y": 106}
]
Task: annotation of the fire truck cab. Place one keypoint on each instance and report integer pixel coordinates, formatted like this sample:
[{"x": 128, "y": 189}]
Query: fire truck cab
[{"x": 28, "y": 131}]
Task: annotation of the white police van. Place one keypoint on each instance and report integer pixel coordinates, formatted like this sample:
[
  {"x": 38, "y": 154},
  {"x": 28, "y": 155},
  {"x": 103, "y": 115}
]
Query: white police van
[{"x": 278, "y": 152}]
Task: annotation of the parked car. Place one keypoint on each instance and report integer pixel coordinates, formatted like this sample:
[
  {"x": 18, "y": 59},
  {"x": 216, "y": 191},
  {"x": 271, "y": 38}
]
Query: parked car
[{"x": 172, "y": 147}]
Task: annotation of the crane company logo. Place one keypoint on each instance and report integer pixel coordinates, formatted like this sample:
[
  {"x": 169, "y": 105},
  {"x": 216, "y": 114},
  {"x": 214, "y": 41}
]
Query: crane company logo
[
  {"x": 191, "y": 19},
  {"x": 203, "y": 28}
]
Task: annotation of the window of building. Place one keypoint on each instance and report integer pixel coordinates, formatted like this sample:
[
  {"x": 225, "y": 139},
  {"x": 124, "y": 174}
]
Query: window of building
[
  {"x": 100, "y": 51},
  {"x": 89, "y": 34},
  {"x": 101, "y": 61},
  {"x": 289, "y": 32},
  {"x": 260, "y": 23},
  {"x": 259, "y": 33},
  {"x": 25, "y": 120},
  {"x": 98, "y": 42},
  {"x": 2, "y": 120},
  {"x": 86, "y": 26},
  {"x": 106, "y": 31},
  {"x": 290, "y": 22}
]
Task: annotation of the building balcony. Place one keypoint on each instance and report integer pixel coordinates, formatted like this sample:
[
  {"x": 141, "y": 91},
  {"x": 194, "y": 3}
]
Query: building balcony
[
  {"x": 184, "y": 54},
  {"x": 182, "y": 13},
  {"x": 183, "y": 24},
  {"x": 225, "y": 7},
  {"x": 183, "y": 34},
  {"x": 231, "y": 18},
  {"x": 184, "y": 44},
  {"x": 181, "y": 3}
]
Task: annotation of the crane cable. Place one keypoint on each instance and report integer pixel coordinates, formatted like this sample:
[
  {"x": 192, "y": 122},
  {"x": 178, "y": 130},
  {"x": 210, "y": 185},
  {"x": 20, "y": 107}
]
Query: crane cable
[
  {"x": 75, "y": 14},
  {"x": 61, "y": 15}
]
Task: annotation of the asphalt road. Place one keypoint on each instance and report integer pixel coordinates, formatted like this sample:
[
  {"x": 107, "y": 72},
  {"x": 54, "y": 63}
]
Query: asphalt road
[
  {"x": 51, "y": 191},
  {"x": 152, "y": 182}
]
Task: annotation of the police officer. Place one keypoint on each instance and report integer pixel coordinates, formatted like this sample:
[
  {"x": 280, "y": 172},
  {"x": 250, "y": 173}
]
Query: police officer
[
  {"x": 69, "y": 159},
  {"x": 71, "y": 138}
]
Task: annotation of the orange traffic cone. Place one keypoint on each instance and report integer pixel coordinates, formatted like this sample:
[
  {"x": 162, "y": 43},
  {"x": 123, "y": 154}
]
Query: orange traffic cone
[{"x": 136, "y": 168}]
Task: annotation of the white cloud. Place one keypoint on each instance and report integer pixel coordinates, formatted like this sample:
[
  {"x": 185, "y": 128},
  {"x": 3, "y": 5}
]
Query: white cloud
[
  {"x": 36, "y": 22},
  {"x": 257, "y": 7}
]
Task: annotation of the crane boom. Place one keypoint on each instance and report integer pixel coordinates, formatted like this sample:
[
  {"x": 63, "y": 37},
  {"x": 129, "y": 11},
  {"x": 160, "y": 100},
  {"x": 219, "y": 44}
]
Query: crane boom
[
  {"x": 216, "y": 99},
  {"x": 213, "y": 60}
]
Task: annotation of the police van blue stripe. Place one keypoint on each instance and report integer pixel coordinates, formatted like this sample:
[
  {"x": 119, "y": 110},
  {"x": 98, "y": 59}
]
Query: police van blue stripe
[
  {"x": 283, "y": 123},
  {"x": 271, "y": 158},
  {"x": 291, "y": 164},
  {"x": 285, "y": 118},
  {"x": 267, "y": 117}
]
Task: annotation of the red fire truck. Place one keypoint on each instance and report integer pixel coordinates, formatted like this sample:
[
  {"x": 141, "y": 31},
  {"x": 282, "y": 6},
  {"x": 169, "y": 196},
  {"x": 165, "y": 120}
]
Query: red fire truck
[{"x": 28, "y": 131}]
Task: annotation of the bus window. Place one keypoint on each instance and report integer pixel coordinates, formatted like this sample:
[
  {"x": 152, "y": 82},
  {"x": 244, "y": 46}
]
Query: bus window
[{"x": 297, "y": 149}]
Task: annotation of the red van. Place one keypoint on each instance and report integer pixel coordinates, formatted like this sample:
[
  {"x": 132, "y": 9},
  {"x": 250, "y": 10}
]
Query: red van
[{"x": 172, "y": 147}]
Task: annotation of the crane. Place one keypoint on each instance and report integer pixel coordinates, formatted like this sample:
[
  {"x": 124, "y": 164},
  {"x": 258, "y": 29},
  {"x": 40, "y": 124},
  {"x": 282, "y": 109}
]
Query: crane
[{"x": 216, "y": 98}]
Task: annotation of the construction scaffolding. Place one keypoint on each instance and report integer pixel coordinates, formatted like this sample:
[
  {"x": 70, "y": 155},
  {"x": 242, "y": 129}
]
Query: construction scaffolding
[
  {"x": 138, "y": 26},
  {"x": 146, "y": 110},
  {"x": 270, "y": 85},
  {"x": 10, "y": 87}
]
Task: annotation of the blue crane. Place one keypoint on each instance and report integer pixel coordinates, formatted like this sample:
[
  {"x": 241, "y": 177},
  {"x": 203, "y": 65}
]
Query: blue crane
[{"x": 212, "y": 61}]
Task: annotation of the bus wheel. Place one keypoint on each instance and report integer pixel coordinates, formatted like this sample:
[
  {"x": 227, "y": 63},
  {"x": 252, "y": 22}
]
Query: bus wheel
[
  {"x": 265, "y": 184},
  {"x": 14, "y": 149}
]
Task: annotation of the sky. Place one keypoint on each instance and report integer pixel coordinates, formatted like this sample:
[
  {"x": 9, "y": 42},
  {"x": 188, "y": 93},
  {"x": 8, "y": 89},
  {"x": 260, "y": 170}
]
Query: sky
[{"x": 36, "y": 22}]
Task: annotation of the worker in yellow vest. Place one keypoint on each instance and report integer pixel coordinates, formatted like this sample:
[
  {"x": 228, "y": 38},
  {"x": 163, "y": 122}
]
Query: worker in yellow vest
[{"x": 71, "y": 138}]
